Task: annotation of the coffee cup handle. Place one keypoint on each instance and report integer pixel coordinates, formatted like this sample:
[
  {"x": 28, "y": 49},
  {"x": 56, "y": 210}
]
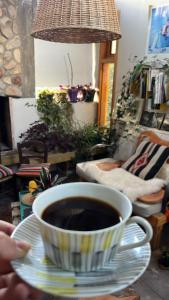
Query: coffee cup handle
[{"x": 148, "y": 233}]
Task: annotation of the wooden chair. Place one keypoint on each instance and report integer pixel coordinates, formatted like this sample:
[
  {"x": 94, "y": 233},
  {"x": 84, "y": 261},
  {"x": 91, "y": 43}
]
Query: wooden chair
[
  {"x": 32, "y": 157},
  {"x": 28, "y": 151}
]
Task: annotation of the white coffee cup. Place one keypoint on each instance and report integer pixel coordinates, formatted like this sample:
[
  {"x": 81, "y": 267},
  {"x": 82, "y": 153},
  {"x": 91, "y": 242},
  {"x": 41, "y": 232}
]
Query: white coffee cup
[{"x": 86, "y": 250}]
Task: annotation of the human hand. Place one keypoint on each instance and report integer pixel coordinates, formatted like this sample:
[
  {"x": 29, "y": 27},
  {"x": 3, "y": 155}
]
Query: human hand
[{"x": 11, "y": 286}]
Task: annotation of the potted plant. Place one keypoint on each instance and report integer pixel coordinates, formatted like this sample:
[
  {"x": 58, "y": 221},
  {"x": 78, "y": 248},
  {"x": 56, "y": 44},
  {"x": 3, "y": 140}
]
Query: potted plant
[
  {"x": 81, "y": 93},
  {"x": 73, "y": 92},
  {"x": 89, "y": 93},
  {"x": 54, "y": 108}
]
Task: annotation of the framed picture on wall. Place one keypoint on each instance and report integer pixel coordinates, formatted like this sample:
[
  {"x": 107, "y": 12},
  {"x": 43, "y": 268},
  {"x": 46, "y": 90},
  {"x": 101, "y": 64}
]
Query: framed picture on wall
[
  {"x": 147, "y": 119},
  {"x": 158, "y": 32},
  {"x": 154, "y": 120}
]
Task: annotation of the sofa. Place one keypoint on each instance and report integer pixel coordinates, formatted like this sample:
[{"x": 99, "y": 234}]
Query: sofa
[{"x": 148, "y": 195}]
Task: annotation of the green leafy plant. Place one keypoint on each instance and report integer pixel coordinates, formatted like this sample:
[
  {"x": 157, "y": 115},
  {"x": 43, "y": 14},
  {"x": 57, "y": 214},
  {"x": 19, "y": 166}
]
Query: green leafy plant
[
  {"x": 126, "y": 104},
  {"x": 57, "y": 130},
  {"x": 46, "y": 181},
  {"x": 55, "y": 109},
  {"x": 57, "y": 139},
  {"x": 37, "y": 131},
  {"x": 89, "y": 136},
  {"x": 85, "y": 137},
  {"x": 80, "y": 139}
]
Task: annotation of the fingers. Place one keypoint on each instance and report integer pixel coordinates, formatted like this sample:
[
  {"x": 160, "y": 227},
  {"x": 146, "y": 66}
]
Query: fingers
[
  {"x": 10, "y": 249},
  {"x": 10, "y": 279},
  {"x": 13, "y": 288},
  {"x": 23, "y": 247},
  {"x": 19, "y": 292},
  {"x": 23, "y": 292},
  {"x": 6, "y": 227}
]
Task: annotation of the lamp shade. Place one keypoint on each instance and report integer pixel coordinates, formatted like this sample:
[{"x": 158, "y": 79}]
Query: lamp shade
[{"x": 76, "y": 21}]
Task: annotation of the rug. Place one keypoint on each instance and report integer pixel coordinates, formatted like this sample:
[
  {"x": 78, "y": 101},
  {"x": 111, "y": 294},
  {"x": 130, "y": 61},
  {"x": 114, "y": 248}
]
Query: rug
[{"x": 129, "y": 184}]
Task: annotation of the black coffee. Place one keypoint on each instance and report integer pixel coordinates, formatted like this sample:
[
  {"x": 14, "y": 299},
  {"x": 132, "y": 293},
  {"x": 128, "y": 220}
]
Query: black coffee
[{"x": 81, "y": 214}]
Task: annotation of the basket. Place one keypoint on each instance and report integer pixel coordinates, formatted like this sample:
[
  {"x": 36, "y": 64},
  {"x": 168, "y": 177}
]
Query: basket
[{"x": 76, "y": 21}]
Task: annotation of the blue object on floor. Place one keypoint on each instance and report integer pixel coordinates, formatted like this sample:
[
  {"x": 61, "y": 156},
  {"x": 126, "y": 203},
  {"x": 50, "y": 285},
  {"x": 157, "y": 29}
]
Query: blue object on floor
[{"x": 25, "y": 210}]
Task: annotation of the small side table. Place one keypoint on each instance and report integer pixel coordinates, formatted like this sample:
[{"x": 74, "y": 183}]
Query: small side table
[{"x": 157, "y": 221}]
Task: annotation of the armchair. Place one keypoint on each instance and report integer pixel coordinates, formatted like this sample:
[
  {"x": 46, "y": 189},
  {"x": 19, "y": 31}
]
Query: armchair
[{"x": 151, "y": 200}]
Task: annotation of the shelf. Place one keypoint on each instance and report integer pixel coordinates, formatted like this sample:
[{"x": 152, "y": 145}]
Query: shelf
[
  {"x": 11, "y": 157},
  {"x": 157, "y": 111}
]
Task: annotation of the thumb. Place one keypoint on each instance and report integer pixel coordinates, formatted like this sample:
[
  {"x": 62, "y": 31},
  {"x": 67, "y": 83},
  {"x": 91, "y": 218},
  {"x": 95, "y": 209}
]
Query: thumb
[
  {"x": 9, "y": 250},
  {"x": 12, "y": 249},
  {"x": 6, "y": 227}
]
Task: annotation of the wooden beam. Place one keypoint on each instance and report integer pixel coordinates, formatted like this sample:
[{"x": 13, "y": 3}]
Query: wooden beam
[{"x": 25, "y": 10}]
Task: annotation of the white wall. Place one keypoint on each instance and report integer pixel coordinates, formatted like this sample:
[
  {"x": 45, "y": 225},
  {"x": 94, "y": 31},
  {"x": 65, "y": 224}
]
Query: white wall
[
  {"x": 21, "y": 117},
  {"x": 52, "y": 66},
  {"x": 134, "y": 27}
]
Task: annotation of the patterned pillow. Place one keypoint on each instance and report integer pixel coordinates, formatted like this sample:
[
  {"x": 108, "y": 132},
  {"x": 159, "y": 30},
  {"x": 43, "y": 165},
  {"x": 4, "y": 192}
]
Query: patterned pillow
[
  {"x": 147, "y": 160},
  {"x": 5, "y": 171},
  {"x": 29, "y": 170}
]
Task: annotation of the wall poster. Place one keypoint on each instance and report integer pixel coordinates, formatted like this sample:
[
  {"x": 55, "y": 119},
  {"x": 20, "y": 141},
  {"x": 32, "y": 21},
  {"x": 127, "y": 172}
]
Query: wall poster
[{"x": 158, "y": 33}]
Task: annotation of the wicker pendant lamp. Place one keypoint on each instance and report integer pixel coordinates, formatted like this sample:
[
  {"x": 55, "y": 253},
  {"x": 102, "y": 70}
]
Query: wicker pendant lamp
[{"x": 76, "y": 21}]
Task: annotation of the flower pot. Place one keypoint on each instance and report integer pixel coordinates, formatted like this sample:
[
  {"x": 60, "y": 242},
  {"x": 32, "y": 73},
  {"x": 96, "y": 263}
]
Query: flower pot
[
  {"x": 73, "y": 94},
  {"x": 89, "y": 95},
  {"x": 80, "y": 94}
]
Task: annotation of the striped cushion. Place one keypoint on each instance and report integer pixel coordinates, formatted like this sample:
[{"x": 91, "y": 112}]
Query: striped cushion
[
  {"x": 147, "y": 160},
  {"x": 5, "y": 171},
  {"x": 29, "y": 170}
]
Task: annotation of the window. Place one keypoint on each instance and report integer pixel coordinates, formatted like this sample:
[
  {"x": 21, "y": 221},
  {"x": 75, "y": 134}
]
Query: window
[{"x": 107, "y": 74}]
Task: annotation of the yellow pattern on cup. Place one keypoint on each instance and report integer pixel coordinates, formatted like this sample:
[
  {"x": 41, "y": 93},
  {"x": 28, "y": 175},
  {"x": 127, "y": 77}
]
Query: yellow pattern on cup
[
  {"x": 46, "y": 261},
  {"x": 55, "y": 278},
  {"x": 45, "y": 233},
  {"x": 63, "y": 240},
  {"x": 107, "y": 240},
  {"x": 86, "y": 244},
  {"x": 57, "y": 290}
]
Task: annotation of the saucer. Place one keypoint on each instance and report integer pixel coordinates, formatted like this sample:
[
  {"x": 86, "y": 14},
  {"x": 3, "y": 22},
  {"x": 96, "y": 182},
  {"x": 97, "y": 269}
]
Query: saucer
[{"x": 38, "y": 271}]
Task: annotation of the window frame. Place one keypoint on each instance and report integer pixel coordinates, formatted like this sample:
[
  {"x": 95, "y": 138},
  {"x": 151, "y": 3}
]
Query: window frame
[{"x": 106, "y": 56}]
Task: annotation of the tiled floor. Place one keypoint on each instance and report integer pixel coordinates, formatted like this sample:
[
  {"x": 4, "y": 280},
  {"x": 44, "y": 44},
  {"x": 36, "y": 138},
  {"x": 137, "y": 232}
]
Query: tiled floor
[{"x": 154, "y": 283}]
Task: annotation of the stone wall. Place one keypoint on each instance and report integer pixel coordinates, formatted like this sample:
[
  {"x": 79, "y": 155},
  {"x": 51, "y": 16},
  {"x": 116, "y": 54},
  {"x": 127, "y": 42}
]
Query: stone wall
[
  {"x": 10, "y": 54},
  {"x": 16, "y": 64}
]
